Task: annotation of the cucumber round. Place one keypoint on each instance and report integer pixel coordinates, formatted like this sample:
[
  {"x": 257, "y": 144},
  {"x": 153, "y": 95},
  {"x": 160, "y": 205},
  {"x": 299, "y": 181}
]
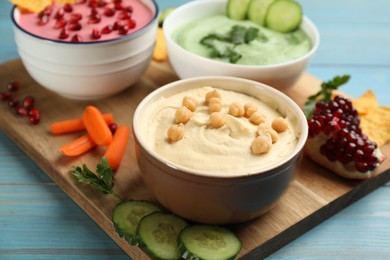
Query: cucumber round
[
  {"x": 237, "y": 9},
  {"x": 258, "y": 9},
  {"x": 208, "y": 242},
  {"x": 158, "y": 234},
  {"x": 284, "y": 16},
  {"x": 127, "y": 215}
]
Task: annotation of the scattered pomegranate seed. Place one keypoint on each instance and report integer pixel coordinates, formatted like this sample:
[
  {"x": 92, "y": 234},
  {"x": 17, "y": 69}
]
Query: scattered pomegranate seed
[
  {"x": 59, "y": 14},
  {"x": 117, "y": 1},
  {"x": 74, "y": 26},
  {"x": 94, "y": 11},
  {"x": 95, "y": 34},
  {"x": 5, "y": 96},
  {"x": 113, "y": 127},
  {"x": 76, "y": 38},
  {"x": 94, "y": 19},
  {"x": 75, "y": 17},
  {"x": 119, "y": 6},
  {"x": 22, "y": 111},
  {"x": 44, "y": 19},
  {"x": 13, "y": 102},
  {"x": 79, "y": 2},
  {"x": 59, "y": 24},
  {"x": 107, "y": 29},
  {"x": 131, "y": 23},
  {"x": 93, "y": 3},
  {"x": 68, "y": 8},
  {"x": 47, "y": 11},
  {"x": 34, "y": 119},
  {"x": 34, "y": 112},
  {"x": 129, "y": 9},
  {"x": 123, "y": 15},
  {"x": 28, "y": 102},
  {"x": 123, "y": 30},
  {"x": 109, "y": 12},
  {"x": 63, "y": 34},
  {"x": 13, "y": 85}
]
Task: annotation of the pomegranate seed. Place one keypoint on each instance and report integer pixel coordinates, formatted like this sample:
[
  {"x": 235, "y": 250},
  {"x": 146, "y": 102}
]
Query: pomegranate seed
[
  {"x": 94, "y": 19},
  {"x": 63, "y": 34},
  {"x": 5, "y": 96},
  {"x": 22, "y": 111},
  {"x": 43, "y": 20},
  {"x": 94, "y": 11},
  {"x": 75, "y": 17},
  {"x": 93, "y": 3},
  {"x": 95, "y": 34},
  {"x": 13, "y": 102},
  {"x": 59, "y": 14},
  {"x": 117, "y": 1},
  {"x": 28, "y": 102},
  {"x": 109, "y": 12},
  {"x": 358, "y": 155},
  {"x": 129, "y": 9},
  {"x": 119, "y": 6},
  {"x": 74, "y": 26},
  {"x": 131, "y": 23},
  {"x": 76, "y": 38},
  {"x": 47, "y": 11},
  {"x": 13, "y": 85},
  {"x": 34, "y": 120},
  {"x": 123, "y": 30},
  {"x": 79, "y": 2},
  {"x": 107, "y": 29},
  {"x": 361, "y": 166},
  {"x": 59, "y": 24},
  {"x": 34, "y": 112},
  {"x": 68, "y": 8},
  {"x": 113, "y": 127},
  {"x": 123, "y": 15}
]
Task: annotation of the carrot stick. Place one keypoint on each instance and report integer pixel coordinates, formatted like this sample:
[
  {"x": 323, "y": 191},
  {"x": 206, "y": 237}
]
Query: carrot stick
[
  {"x": 160, "y": 50},
  {"x": 74, "y": 125},
  {"x": 117, "y": 147},
  {"x": 96, "y": 126},
  {"x": 79, "y": 146}
]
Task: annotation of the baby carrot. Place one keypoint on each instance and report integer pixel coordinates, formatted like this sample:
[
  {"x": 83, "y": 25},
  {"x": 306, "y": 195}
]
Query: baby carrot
[
  {"x": 96, "y": 126},
  {"x": 75, "y": 124},
  {"x": 79, "y": 146},
  {"x": 116, "y": 149}
]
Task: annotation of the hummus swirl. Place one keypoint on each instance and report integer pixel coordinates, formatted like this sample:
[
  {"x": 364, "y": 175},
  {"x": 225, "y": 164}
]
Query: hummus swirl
[{"x": 222, "y": 150}]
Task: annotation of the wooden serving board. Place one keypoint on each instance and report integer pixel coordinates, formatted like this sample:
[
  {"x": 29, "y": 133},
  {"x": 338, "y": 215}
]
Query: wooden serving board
[{"x": 314, "y": 195}]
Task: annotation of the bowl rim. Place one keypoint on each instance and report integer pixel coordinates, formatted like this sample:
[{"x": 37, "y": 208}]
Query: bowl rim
[
  {"x": 226, "y": 65},
  {"x": 118, "y": 39},
  {"x": 302, "y": 136}
]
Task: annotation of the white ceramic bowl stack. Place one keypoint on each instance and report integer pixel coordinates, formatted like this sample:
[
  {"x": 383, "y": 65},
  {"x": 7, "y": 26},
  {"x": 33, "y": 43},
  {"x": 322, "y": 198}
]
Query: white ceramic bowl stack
[{"x": 87, "y": 70}]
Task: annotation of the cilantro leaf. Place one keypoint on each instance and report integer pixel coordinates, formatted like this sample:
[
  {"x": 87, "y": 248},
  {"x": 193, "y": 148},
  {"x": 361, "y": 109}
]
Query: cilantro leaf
[
  {"x": 102, "y": 181},
  {"x": 324, "y": 94}
]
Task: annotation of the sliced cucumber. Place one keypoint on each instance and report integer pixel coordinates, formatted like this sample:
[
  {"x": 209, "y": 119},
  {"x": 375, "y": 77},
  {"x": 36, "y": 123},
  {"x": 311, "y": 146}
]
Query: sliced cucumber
[
  {"x": 208, "y": 242},
  {"x": 284, "y": 16},
  {"x": 126, "y": 217},
  {"x": 163, "y": 14},
  {"x": 158, "y": 234},
  {"x": 257, "y": 10},
  {"x": 237, "y": 9}
]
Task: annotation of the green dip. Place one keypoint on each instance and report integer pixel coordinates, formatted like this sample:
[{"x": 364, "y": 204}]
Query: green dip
[{"x": 269, "y": 47}]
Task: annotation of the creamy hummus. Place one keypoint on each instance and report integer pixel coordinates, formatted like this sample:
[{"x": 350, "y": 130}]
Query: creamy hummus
[
  {"x": 270, "y": 47},
  {"x": 224, "y": 150}
]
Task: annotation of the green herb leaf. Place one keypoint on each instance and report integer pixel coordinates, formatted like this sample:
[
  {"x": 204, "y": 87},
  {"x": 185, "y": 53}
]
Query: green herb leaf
[
  {"x": 324, "y": 94},
  {"x": 102, "y": 181}
]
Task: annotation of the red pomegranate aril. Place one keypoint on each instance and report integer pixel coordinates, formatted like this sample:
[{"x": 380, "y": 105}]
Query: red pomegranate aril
[
  {"x": 95, "y": 34},
  {"x": 79, "y": 2},
  {"x": 361, "y": 166},
  {"x": 28, "y": 102},
  {"x": 74, "y": 26},
  {"x": 117, "y": 1},
  {"x": 119, "y": 6},
  {"x": 93, "y": 3},
  {"x": 63, "y": 34},
  {"x": 123, "y": 30},
  {"x": 47, "y": 11},
  {"x": 331, "y": 144},
  {"x": 5, "y": 96},
  {"x": 34, "y": 112},
  {"x": 68, "y": 8},
  {"x": 113, "y": 127},
  {"x": 22, "y": 111},
  {"x": 350, "y": 148},
  {"x": 59, "y": 24},
  {"x": 13, "y": 85},
  {"x": 129, "y": 9},
  {"x": 358, "y": 155},
  {"x": 109, "y": 12},
  {"x": 123, "y": 15},
  {"x": 34, "y": 119},
  {"x": 131, "y": 23},
  {"x": 43, "y": 20},
  {"x": 94, "y": 11},
  {"x": 76, "y": 38},
  {"x": 346, "y": 158},
  {"x": 13, "y": 102},
  {"x": 94, "y": 19},
  {"x": 107, "y": 29},
  {"x": 75, "y": 17},
  {"x": 59, "y": 14}
]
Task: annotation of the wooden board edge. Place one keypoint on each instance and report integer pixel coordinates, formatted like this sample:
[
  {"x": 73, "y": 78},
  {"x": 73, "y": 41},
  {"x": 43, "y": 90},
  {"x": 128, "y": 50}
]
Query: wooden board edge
[{"x": 290, "y": 234}]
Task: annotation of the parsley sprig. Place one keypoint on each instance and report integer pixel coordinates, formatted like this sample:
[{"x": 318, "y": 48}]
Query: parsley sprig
[
  {"x": 324, "y": 94},
  {"x": 102, "y": 181},
  {"x": 223, "y": 46}
]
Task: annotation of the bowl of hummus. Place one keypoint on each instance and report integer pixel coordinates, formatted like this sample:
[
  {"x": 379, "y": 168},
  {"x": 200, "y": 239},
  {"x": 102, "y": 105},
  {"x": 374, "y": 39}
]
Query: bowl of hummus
[
  {"x": 218, "y": 149},
  {"x": 275, "y": 58},
  {"x": 89, "y": 49}
]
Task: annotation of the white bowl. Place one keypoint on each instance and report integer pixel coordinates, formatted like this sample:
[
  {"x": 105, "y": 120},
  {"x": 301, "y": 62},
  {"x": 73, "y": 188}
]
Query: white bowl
[
  {"x": 187, "y": 64},
  {"x": 224, "y": 198},
  {"x": 87, "y": 70}
]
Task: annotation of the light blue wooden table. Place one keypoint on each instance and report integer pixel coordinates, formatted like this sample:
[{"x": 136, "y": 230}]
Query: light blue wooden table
[{"x": 39, "y": 221}]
